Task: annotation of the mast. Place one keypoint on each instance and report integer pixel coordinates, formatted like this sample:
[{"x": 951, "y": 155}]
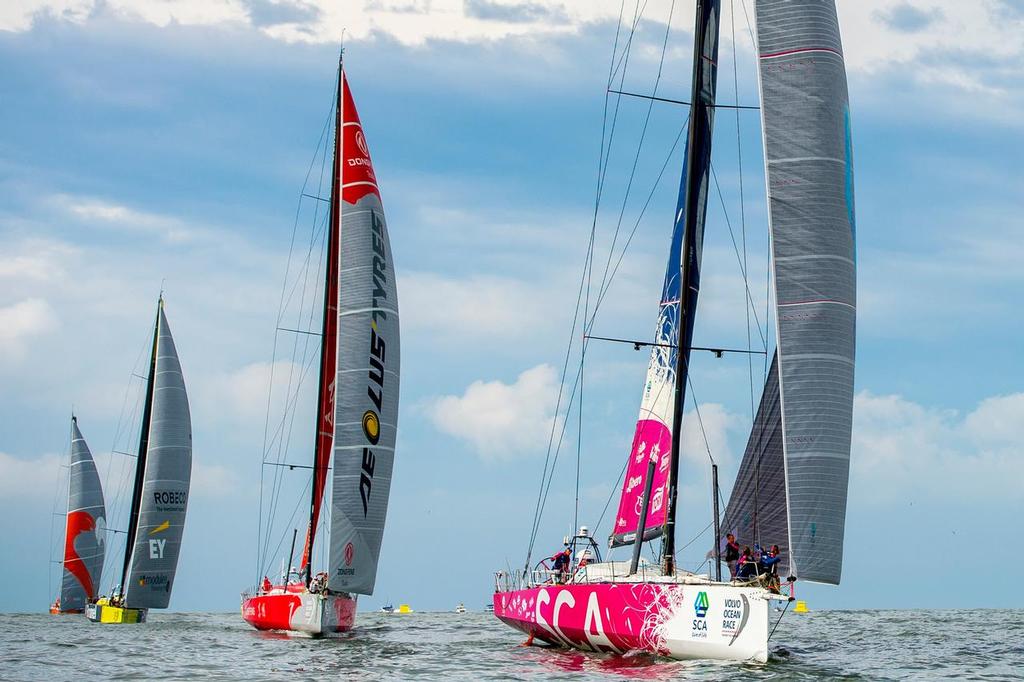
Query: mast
[
  {"x": 694, "y": 194},
  {"x": 328, "y": 347},
  {"x": 140, "y": 461}
]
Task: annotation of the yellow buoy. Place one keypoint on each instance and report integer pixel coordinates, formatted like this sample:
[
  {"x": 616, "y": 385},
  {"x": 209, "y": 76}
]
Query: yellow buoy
[
  {"x": 801, "y": 607},
  {"x": 404, "y": 608}
]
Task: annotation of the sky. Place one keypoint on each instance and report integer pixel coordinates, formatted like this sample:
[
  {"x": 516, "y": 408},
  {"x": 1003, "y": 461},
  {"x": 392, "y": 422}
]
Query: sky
[{"x": 165, "y": 143}]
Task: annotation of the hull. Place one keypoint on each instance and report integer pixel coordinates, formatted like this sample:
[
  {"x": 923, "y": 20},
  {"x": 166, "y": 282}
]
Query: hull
[
  {"x": 682, "y": 621},
  {"x": 300, "y": 613},
  {"x": 105, "y": 613},
  {"x": 55, "y": 610}
]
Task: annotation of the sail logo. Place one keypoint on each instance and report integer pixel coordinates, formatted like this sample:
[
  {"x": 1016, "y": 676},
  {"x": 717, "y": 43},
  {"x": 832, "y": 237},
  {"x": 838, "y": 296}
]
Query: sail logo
[
  {"x": 361, "y": 143},
  {"x": 701, "y": 605},
  {"x": 156, "y": 548},
  {"x": 349, "y": 554},
  {"x": 657, "y": 500},
  {"x": 377, "y": 361}
]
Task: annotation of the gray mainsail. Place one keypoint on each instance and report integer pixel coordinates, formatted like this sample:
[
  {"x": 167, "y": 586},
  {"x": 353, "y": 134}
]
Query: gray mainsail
[
  {"x": 85, "y": 528},
  {"x": 809, "y": 166},
  {"x": 757, "y": 513},
  {"x": 366, "y": 388},
  {"x": 166, "y": 458}
]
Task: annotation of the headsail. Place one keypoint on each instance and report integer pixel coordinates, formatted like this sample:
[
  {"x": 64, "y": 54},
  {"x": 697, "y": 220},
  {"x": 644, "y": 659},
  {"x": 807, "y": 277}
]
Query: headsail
[
  {"x": 757, "y": 512},
  {"x": 166, "y": 461},
  {"x": 85, "y": 530},
  {"x": 808, "y": 157},
  {"x": 366, "y": 412},
  {"x": 653, "y": 435}
]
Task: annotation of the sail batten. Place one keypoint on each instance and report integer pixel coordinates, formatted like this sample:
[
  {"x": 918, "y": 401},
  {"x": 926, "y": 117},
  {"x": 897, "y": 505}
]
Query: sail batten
[
  {"x": 366, "y": 402},
  {"x": 809, "y": 169}
]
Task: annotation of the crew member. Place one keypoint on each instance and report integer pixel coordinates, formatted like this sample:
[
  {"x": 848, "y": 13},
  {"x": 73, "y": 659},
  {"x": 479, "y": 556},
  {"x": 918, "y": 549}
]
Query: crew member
[{"x": 732, "y": 553}]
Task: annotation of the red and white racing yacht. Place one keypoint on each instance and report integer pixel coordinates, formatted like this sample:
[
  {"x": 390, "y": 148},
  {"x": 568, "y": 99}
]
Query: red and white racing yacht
[
  {"x": 357, "y": 404},
  {"x": 791, "y": 487}
]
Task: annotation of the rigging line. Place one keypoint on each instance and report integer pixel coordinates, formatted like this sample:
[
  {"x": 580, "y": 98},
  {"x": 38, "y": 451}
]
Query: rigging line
[
  {"x": 739, "y": 260},
  {"x": 639, "y": 150},
  {"x": 643, "y": 211},
  {"x": 287, "y": 527},
  {"x": 280, "y": 315},
  {"x": 668, "y": 100},
  {"x": 538, "y": 509},
  {"x": 698, "y": 536},
  {"x": 543, "y": 498},
  {"x": 602, "y": 169},
  {"x": 743, "y": 211},
  {"x": 615, "y": 489},
  {"x": 784, "y": 609},
  {"x": 638, "y": 13},
  {"x": 284, "y": 428}
]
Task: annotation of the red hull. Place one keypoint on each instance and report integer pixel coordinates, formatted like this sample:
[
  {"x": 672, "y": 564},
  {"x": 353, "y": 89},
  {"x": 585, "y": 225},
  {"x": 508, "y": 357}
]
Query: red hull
[{"x": 296, "y": 611}]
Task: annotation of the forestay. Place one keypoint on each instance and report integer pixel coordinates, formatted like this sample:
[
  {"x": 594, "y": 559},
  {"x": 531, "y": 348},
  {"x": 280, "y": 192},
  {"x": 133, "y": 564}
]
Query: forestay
[
  {"x": 165, "y": 483},
  {"x": 85, "y": 530},
  {"x": 366, "y": 411},
  {"x": 809, "y": 164}
]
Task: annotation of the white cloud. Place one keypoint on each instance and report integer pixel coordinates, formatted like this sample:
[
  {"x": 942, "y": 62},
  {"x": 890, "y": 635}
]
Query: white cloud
[
  {"x": 28, "y": 478},
  {"x": 943, "y": 39},
  {"x": 102, "y": 213},
  {"x": 23, "y": 320},
  {"x": 903, "y": 450},
  {"x": 499, "y": 420},
  {"x": 717, "y": 423}
]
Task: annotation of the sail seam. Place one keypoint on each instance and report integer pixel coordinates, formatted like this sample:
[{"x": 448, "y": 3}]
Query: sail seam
[{"x": 801, "y": 50}]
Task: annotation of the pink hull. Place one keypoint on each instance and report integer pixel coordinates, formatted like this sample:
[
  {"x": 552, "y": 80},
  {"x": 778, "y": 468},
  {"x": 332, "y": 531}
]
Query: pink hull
[
  {"x": 300, "y": 613},
  {"x": 680, "y": 621}
]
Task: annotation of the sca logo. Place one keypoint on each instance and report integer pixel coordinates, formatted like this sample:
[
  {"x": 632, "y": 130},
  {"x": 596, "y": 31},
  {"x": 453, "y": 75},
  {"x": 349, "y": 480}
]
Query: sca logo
[{"x": 700, "y": 605}]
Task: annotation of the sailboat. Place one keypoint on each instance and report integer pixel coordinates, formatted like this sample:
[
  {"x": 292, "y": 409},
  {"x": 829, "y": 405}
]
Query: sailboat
[
  {"x": 85, "y": 529},
  {"x": 791, "y": 487},
  {"x": 357, "y": 405},
  {"x": 163, "y": 471}
]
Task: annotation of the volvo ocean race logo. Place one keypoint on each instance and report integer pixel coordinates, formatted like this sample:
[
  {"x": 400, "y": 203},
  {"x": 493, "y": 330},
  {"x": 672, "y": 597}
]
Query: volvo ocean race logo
[{"x": 377, "y": 360}]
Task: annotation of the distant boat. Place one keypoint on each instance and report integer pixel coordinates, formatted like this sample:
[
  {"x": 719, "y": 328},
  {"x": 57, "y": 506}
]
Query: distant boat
[
  {"x": 404, "y": 608},
  {"x": 488, "y": 608},
  {"x": 387, "y": 608},
  {"x": 357, "y": 408},
  {"x": 791, "y": 488},
  {"x": 85, "y": 528},
  {"x": 163, "y": 472},
  {"x": 461, "y": 608}
]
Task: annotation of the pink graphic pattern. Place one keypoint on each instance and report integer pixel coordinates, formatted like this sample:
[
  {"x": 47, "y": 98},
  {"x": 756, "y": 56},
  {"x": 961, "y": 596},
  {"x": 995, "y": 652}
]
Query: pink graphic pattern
[{"x": 652, "y": 439}]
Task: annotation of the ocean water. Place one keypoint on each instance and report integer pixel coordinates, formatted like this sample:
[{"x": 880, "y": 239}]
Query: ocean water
[{"x": 870, "y": 645}]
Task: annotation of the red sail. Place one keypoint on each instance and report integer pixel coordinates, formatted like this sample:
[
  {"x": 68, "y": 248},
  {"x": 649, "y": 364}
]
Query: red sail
[{"x": 358, "y": 178}]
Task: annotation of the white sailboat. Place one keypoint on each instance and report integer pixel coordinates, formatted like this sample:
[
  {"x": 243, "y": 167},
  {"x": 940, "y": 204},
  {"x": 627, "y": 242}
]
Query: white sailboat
[{"x": 792, "y": 484}]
